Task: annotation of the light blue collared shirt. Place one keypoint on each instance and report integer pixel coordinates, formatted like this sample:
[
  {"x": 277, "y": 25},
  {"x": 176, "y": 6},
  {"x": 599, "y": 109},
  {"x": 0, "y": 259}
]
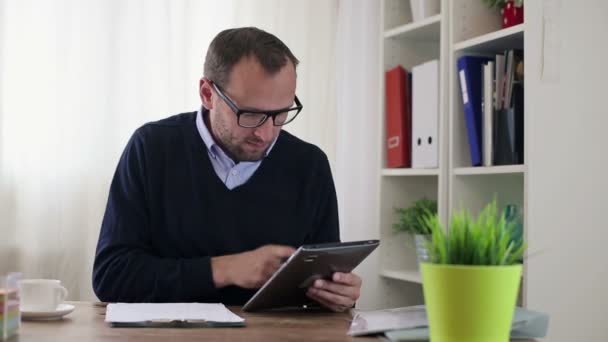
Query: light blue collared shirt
[{"x": 229, "y": 172}]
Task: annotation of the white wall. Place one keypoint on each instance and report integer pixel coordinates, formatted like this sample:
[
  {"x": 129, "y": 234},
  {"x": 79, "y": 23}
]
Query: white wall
[{"x": 567, "y": 180}]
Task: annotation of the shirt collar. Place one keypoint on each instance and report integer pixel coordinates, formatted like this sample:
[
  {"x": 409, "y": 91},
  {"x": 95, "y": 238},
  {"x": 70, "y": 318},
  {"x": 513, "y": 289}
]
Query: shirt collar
[{"x": 208, "y": 138}]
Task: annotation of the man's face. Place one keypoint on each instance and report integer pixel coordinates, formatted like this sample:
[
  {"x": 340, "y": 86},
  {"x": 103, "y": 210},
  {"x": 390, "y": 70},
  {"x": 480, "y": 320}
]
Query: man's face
[{"x": 250, "y": 87}]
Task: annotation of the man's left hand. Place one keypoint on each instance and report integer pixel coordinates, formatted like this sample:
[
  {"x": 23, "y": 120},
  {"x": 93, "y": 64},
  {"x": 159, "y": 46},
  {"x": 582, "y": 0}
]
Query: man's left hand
[{"x": 338, "y": 295}]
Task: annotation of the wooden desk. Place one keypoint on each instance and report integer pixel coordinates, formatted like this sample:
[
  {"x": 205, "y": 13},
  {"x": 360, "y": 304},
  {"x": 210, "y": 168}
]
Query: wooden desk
[{"x": 86, "y": 323}]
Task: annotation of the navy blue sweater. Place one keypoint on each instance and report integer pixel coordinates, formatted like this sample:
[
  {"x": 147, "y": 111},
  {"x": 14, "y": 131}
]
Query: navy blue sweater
[{"x": 168, "y": 213}]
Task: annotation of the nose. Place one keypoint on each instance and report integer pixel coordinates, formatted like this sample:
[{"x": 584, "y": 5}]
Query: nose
[{"x": 266, "y": 131}]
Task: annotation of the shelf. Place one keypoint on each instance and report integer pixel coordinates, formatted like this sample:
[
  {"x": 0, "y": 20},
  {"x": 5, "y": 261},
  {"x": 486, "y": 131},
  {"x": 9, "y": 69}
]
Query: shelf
[
  {"x": 495, "y": 42},
  {"x": 489, "y": 170},
  {"x": 427, "y": 29},
  {"x": 410, "y": 172},
  {"x": 410, "y": 276}
]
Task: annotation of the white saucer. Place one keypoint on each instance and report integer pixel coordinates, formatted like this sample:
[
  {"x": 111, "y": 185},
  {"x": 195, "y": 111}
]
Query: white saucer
[{"x": 62, "y": 310}]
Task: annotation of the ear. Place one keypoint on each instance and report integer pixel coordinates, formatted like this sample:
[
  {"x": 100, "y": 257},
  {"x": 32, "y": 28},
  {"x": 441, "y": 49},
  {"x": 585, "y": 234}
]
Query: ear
[{"x": 205, "y": 92}]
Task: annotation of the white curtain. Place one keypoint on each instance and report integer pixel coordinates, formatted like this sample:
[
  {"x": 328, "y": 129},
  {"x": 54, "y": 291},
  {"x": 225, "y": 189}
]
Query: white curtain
[
  {"x": 357, "y": 143},
  {"x": 77, "y": 77}
]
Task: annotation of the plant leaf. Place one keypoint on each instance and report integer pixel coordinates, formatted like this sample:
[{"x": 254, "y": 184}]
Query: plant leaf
[{"x": 486, "y": 240}]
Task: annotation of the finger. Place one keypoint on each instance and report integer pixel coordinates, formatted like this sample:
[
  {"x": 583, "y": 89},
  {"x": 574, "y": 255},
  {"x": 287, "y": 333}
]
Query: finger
[
  {"x": 281, "y": 251},
  {"x": 339, "y": 289},
  {"x": 347, "y": 279},
  {"x": 263, "y": 277},
  {"x": 272, "y": 264},
  {"x": 334, "y": 299},
  {"x": 325, "y": 303}
]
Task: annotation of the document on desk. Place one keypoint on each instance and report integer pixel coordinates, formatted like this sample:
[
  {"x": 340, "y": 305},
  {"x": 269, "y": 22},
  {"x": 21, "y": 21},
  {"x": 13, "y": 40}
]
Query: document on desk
[
  {"x": 379, "y": 321},
  {"x": 171, "y": 315},
  {"x": 410, "y": 323}
]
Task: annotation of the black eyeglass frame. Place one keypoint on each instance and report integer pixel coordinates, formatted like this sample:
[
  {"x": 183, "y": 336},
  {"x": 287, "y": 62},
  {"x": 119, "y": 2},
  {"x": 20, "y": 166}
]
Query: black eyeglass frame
[{"x": 269, "y": 113}]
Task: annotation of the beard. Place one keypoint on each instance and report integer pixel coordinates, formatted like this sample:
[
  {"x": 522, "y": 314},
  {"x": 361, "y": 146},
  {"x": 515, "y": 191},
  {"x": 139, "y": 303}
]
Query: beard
[{"x": 243, "y": 151}]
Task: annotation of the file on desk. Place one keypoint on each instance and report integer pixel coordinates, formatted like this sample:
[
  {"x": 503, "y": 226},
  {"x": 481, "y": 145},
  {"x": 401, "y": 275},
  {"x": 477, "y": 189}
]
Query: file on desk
[
  {"x": 171, "y": 315},
  {"x": 410, "y": 323}
]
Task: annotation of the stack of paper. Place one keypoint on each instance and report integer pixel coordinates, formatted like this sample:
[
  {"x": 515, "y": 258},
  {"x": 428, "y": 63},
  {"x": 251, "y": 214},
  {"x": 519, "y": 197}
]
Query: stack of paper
[
  {"x": 410, "y": 323},
  {"x": 197, "y": 314},
  {"x": 379, "y": 321}
]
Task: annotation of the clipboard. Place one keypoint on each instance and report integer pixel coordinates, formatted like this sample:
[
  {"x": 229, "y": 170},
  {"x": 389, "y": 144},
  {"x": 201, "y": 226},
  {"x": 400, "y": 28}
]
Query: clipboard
[
  {"x": 287, "y": 287},
  {"x": 171, "y": 315},
  {"x": 177, "y": 324}
]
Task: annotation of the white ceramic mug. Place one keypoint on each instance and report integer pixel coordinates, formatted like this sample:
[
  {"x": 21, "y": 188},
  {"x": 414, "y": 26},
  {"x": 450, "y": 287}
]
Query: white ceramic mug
[{"x": 41, "y": 294}]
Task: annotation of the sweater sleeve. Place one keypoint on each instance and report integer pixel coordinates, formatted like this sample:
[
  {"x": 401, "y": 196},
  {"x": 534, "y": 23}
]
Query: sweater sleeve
[
  {"x": 126, "y": 268},
  {"x": 326, "y": 221}
]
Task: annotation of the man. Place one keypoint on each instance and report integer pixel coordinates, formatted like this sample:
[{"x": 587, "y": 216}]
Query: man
[{"x": 205, "y": 206}]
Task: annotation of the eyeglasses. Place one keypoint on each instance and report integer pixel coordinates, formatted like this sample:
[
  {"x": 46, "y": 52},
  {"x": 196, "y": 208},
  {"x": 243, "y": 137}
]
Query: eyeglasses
[{"x": 251, "y": 118}]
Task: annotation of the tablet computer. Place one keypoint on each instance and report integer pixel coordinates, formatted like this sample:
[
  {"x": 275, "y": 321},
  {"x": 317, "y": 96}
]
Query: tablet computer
[{"x": 288, "y": 285}]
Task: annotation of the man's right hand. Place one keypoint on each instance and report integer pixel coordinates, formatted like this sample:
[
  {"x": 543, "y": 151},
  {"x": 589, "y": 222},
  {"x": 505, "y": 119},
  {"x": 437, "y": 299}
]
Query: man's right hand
[{"x": 249, "y": 269}]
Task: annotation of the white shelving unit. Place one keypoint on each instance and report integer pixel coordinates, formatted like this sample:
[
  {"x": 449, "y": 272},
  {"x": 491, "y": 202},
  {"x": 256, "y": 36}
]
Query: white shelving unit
[
  {"x": 425, "y": 30},
  {"x": 512, "y": 37},
  {"x": 408, "y": 44},
  {"x": 410, "y": 276},
  {"x": 410, "y": 172},
  {"x": 489, "y": 170},
  {"x": 463, "y": 27}
]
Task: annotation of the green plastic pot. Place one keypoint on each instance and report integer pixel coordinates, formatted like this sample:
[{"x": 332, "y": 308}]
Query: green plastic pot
[{"x": 470, "y": 303}]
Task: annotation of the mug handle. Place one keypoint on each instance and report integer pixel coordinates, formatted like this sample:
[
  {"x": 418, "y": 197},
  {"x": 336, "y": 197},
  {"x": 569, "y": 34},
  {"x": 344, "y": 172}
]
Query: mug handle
[{"x": 62, "y": 294}]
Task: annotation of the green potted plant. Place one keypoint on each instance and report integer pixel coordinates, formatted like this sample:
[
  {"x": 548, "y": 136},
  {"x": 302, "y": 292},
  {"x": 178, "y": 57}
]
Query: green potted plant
[
  {"x": 472, "y": 278},
  {"x": 412, "y": 220}
]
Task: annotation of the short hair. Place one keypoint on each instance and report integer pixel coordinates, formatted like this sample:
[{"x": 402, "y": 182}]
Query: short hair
[{"x": 229, "y": 46}]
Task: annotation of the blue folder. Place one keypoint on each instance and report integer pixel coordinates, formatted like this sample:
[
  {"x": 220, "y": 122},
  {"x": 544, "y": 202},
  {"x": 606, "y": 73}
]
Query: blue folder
[{"x": 471, "y": 85}]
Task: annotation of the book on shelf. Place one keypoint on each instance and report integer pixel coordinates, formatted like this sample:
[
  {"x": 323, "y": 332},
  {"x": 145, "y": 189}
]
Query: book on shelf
[
  {"x": 492, "y": 97},
  {"x": 471, "y": 86},
  {"x": 488, "y": 113},
  {"x": 508, "y": 119},
  {"x": 425, "y": 115},
  {"x": 398, "y": 118}
]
